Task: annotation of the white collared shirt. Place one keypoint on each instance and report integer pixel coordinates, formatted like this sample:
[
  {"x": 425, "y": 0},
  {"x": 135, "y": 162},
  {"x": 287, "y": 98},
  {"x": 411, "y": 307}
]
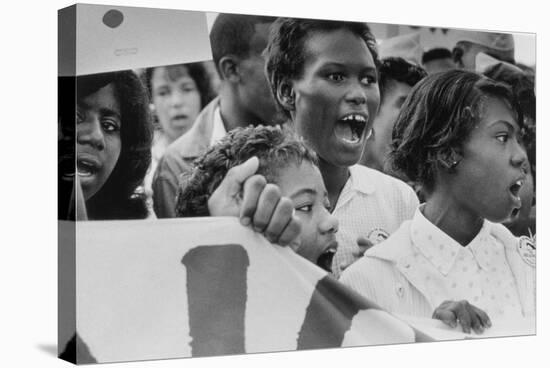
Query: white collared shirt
[
  {"x": 477, "y": 272},
  {"x": 373, "y": 205},
  {"x": 218, "y": 129}
]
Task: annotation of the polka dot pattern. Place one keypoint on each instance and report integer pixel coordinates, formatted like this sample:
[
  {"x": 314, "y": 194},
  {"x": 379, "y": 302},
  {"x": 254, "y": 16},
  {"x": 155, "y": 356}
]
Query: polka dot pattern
[{"x": 478, "y": 272}]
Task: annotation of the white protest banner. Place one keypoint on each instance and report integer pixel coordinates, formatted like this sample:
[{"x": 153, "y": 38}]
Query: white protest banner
[{"x": 209, "y": 286}]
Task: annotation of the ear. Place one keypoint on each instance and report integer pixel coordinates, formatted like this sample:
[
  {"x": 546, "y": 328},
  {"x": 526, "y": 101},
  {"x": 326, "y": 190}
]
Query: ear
[
  {"x": 229, "y": 68},
  {"x": 449, "y": 159},
  {"x": 286, "y": 95}
]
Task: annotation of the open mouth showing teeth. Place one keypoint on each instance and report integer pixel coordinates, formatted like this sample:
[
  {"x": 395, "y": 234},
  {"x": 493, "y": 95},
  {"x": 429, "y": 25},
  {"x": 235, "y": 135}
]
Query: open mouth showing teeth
[
  {"x": 351, "y": 127},
  {"x": 514, "y": 188},
  {"x": 325, "y": 260},
  {"x": 86, "y": 168}
]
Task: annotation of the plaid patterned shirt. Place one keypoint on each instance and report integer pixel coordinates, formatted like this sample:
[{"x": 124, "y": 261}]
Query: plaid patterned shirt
[{"x": 373, "y": 205}]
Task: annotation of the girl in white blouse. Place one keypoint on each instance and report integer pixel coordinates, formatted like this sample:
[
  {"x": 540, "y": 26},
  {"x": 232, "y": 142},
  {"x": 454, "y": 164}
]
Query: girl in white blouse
[{"x": 459, "y": 136}]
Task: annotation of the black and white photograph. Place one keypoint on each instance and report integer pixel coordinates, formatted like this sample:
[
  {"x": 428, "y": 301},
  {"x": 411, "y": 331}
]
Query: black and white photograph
[{"x": 325, "y": 186}]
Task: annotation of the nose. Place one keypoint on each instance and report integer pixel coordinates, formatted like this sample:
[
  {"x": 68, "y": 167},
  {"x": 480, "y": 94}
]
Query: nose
[
  {"x": 356, "y": 94},
  {"x": 177, "y": 98},
  {"x": 519, "y": 156},
  {"x": 328, "y": 224},
  {"x": 89, "y": 132}
]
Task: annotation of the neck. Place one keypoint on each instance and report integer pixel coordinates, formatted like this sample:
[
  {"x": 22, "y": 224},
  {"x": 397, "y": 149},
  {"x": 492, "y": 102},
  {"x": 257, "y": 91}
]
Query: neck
[
  {"x": 233, "y": 114},
  {"x": 335, "y": 178},
  {"x": 458, "y": 223}
]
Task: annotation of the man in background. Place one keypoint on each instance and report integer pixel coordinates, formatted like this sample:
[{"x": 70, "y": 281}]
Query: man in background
[{"x": 244, "y": 98}]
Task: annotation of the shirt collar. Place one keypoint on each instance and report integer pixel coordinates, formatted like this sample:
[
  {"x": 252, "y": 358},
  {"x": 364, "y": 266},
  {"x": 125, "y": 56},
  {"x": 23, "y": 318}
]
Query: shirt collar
[
  {"x": 361, "y": 180},
  {"x": 483, "y": 248},
  {"x": 218, "y": 129},
  {"x": 440, "y": 249}
]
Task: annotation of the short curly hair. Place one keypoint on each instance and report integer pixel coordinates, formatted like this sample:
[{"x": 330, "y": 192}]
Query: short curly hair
[
  {"x": 437, "y": 117},
  {"x": 118, "y": 198},
  {"x": 286, "y": 54},
  {"x": 276, "y": 148}
]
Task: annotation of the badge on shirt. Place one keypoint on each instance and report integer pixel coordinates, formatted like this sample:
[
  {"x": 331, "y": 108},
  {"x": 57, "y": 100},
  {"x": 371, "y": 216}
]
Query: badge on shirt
[
  {"x": 377, "y": 235},
  {"x": 527, "y": 250}
]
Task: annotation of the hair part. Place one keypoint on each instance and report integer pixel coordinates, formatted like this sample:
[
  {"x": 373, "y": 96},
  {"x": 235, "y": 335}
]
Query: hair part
[
  {"x": 286, "y": 53},
  {"x": 275, "y": 147},
  {"x": 438, "y": 117}
]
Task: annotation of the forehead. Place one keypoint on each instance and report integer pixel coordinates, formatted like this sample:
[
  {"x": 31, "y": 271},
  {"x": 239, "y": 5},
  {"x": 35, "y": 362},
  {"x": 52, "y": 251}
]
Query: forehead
[
  {"x": 104, "y": 98},
  {"x": 495, "y": 109},
  {"x": 295, "y": 177},
  {"x": 338, "y": 46},
  {"x": 170, "y": 73}
]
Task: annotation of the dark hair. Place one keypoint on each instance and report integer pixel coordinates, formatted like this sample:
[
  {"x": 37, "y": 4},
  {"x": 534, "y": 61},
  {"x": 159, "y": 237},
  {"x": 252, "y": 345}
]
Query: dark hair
[
  {"x": 196, "y": 71},
  {"x": 231, "y": 35},
  {"x": 400, "y": 70},
  {"x": 275, "y": 147},
  {"x": 117, "y": 199},
  {"x": 437, "y": 117},
  {"x": 436, "y": 54},
  {"x": 286, "y": 54},
  {"x": 522, "y": 86}
]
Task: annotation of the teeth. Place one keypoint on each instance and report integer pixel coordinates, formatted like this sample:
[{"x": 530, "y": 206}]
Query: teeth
[
  {"x": 519, "y": 183},
  {"x": 355, "y": 117}
]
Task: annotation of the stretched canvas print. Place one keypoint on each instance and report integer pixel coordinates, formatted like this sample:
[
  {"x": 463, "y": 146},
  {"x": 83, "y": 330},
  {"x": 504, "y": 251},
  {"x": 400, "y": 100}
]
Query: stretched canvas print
[{"x": 233, "y": 184}]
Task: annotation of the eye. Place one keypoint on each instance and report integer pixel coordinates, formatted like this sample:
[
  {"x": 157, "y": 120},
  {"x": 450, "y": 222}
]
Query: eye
[
  {"x": 368, "y": 80},
  {"x": 306, "y": 208},
  {"x": 503, "y": 137},
  {"x": 188, "y": 89},
  {"x": 110, "y": 125},
  {"x": 163, "y": 92},
  {"x": 336, "y": 77}
]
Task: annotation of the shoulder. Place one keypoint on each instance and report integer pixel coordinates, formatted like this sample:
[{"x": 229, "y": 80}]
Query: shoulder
[
  {"x": 522, "y": 247},
  {"x": 379, "y": 180},
  {"x": 379, "y": 265},
  {"x": 395, "y": 193}
]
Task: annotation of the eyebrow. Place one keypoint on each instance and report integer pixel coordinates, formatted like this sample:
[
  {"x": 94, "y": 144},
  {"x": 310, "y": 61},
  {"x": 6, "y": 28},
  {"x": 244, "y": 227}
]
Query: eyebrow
[
  {"x": 342, "y": 65},
  {"x": 103, "y": 111},
  {"x": 110, "y": 112},
  {"x": 303, "y": 191},
  {"x": 509, "y": 125}
]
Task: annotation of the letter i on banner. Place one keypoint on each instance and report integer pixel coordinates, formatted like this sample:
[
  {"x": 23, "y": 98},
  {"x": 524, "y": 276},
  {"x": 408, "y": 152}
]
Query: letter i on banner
[{"x": 215, "y": 274}]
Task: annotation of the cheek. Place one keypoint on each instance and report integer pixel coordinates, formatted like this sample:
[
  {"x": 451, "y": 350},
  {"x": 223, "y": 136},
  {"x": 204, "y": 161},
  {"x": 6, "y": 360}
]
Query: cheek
[
  {"x": 308, "y": 240},
  {"x": 112, "y": 149},
  {"x": 161, "y": 110},
  {"x": 193, "y": 101},
  {"x": 373, "y": 101}
]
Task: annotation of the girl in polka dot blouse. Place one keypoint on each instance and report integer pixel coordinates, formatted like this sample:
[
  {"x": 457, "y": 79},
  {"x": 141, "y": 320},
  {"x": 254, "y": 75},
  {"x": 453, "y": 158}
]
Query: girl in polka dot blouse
[{"x": 459, "y": 136}]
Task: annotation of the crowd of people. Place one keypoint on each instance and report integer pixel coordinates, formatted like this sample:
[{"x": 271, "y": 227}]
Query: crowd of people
[{"x": 411, "y": 182}]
